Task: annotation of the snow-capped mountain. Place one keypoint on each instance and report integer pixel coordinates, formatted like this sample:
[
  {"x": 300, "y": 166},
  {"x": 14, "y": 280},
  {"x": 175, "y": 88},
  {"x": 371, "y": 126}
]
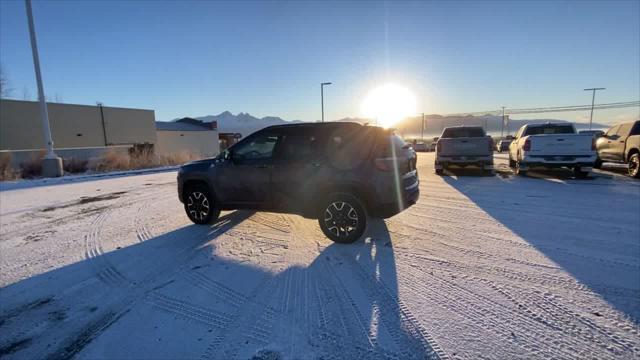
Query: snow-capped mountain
[{"x": 243, "y": 123}]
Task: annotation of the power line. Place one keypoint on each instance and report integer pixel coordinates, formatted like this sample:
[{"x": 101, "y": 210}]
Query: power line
[{"x": 616, "y": 105}]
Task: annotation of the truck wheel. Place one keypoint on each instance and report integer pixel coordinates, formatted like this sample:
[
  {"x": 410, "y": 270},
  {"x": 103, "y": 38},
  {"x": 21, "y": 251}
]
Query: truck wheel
[
  {"x": 597, "y": 164},
  {"x": 634, "y": 166},
  {"x": 342, "y": 218},
  {"x": 512, "y": 164},
  {"x": 199, "y": 205},
  {"x": 519, "y": 171},
  {"x": 439, "y": 172},
  {"x": 579, "y": 174}
]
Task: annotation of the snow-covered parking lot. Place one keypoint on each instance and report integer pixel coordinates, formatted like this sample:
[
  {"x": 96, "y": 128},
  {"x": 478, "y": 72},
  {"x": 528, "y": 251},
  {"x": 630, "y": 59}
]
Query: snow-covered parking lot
[{"x": 482, "y": 267}]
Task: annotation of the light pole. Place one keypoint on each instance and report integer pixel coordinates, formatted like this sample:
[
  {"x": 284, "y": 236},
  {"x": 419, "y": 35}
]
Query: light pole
[
  {"x": 322, "y": 85},
  {"x": 51, "y": 164},
  {"x": 422, "y": 133},
  {"x": 593, "y": 99},
  {"x": 502, "y": 126}
]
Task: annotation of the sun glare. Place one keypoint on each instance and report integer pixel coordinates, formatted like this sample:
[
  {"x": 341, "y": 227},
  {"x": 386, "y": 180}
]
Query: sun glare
[{"x": 388, "y": 104}]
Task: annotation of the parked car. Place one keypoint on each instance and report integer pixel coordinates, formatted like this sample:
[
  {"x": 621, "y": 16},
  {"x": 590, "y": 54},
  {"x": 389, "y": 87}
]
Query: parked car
[
  {"x": 464, "y": 146},
  {"x": 432, "y": 146},
  {"x": 621, "y": 144},
  {"x": 503, "y": 145},
  {"x": 552, "y": 145},
  {"x": 419, "y": 146},
  {"x": 338, "y": 173},
  {"x": 595, "y": 133}
]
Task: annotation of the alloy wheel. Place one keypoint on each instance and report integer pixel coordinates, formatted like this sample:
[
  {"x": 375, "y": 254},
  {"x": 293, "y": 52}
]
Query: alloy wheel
[
  {"x": 198, "y": 205},
  {"x": 340, "y": 218},
  {"x": 634, "y": 166}
]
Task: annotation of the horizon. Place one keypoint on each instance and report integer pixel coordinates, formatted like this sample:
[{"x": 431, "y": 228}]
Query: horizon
[{"x": 268, "y": 58}]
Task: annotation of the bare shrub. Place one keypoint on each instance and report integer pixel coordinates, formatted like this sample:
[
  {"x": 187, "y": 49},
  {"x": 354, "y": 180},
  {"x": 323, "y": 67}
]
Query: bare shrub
[
  {"x": 7, "y": 172},
  {"x": 74, "y": 166},
  {"x": 33, "y": 167}
]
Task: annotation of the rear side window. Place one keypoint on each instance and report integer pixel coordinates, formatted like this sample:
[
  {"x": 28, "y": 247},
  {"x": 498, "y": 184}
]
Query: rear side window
[
  {"x": 624, "y": 129},
  {"x": 550, "y": 130},
  {"x": 612, "y": 130},
  {"x": 636, "y": 128},
  {"x": 298, "y": 148},
  {"x": 391, "y": 145},
  {"x": 348, "y": 148},
  {"x": 463, "y": 132}
]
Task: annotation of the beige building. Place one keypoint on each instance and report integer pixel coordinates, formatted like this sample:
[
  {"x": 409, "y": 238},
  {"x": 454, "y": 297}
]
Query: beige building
[
  {"x": 187, "y": 135},
  {"x": 73, "y": 126},
  {"x": 87, "y": 131}
]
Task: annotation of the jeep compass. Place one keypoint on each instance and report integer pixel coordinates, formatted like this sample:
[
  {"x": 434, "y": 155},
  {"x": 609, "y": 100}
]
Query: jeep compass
[{"x": 339, "y": 173}]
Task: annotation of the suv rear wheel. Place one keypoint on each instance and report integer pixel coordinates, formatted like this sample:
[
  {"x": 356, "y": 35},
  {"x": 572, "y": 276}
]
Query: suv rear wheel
[
  {"x": 342, "y": 218},
  {"x": 200, "y": 205}
]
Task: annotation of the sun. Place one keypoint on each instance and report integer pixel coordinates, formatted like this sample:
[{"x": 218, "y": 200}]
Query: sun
[{"x": 388, "y": 104}]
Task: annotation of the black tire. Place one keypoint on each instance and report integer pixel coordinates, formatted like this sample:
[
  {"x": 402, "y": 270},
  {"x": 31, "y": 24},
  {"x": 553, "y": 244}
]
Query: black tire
[
  {"x": 579, "y": 174},
  {"x": 597, "y": 164},
  {"x": 200, "y": 205},
  {"x": 634, "y": 166},
  {"x": 439, "y": 172},
  {"x": 342, "y": 218},
  {"x": 512, "y": 164},
  {"x": 519, "y": 171}
]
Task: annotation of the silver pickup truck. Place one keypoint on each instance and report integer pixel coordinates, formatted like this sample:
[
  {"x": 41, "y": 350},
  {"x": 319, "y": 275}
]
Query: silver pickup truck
[{"x": 464, "y": 146}]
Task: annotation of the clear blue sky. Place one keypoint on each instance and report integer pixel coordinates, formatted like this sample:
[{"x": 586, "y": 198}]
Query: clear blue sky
[{"x": 268, "y": 58}]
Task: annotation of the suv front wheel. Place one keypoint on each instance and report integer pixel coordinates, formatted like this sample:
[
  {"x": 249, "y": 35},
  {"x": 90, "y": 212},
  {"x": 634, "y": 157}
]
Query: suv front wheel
[
  {"x": 199, "y": 205},
  {"x": 342, "y": 218}
]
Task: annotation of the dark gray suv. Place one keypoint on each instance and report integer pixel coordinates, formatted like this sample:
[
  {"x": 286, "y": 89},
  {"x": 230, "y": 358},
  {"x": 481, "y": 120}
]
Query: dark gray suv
[{"x": 338, "y": 173}]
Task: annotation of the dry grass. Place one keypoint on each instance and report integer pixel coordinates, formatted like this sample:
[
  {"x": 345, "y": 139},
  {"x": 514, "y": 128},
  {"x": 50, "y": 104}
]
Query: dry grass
[
  {"x": 7, "y": 172},
  {"x": 33, "y": 167},
  {"x": 143, "y": 159},
  {"x": 111, "y": 160}
]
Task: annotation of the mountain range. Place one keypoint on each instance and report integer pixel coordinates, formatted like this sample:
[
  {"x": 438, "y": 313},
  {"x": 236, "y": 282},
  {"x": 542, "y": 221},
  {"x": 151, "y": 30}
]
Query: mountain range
[{"x": 245, "y": 123}]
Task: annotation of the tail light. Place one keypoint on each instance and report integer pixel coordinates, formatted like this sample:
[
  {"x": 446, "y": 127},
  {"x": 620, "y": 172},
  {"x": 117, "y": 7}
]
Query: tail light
[
  {"x": 593, "y": 144},
  {"x": 490, "y": 145},
  {"x": 383, "y": 164},
  {"x": 527, "y": 145}
]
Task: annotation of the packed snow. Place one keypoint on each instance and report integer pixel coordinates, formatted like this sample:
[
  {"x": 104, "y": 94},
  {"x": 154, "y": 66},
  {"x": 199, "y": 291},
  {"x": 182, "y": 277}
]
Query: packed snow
[{"x": 481, "y": 267}]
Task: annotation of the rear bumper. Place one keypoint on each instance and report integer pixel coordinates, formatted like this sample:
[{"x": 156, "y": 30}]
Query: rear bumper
[
  {"x": 578, "y": 161},
  {"x": 485, "y": 162},
  {"x": 409, "y": 196}
]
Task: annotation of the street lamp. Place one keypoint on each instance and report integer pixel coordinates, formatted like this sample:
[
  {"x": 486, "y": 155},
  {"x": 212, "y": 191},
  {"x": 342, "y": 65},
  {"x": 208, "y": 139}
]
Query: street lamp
[
  {"x": 51, "y": 164},
  {"x": 322, "y": 85},
  {"x": 593, "y": 99}
]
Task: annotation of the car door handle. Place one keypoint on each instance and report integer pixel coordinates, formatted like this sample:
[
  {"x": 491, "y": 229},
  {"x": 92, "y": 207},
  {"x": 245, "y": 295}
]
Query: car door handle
[
  {"x": 316, "y": 164},
  {"x": 262, "y": 166}
]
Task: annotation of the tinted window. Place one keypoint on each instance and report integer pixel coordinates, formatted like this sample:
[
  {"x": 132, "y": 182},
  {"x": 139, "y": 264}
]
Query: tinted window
[
  {"x": 463, "y": 132},
  {"x": 636, "y": 128},
  {"x": 624, "y": 129},
  {"x": 298, "y": 147},
  {"x": 612, "y": 130},
  {"x": 550, "y": 130},
  {"x": 259, "y": 147},
  {"x": 347, "y": 148}
]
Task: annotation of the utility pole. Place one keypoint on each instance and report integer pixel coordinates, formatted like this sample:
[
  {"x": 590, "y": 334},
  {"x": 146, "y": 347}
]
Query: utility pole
[
  {"x": 322, "y": 85},
  {"x": 422, "y": 134},
  {"x": 593, "y": 100},
  {"x": 502, "y": 127},
  {"x": 51, "y": 164}
]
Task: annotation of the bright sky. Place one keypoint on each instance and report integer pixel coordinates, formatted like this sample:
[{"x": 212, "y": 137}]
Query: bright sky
[{"x": 268, "y": 58}]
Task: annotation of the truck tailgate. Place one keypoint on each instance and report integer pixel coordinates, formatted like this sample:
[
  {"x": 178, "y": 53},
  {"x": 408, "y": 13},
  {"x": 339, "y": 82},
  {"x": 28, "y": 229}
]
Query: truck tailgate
[
  {"x": 561, "y": 144},
  {"x": 471, "y": 146}
]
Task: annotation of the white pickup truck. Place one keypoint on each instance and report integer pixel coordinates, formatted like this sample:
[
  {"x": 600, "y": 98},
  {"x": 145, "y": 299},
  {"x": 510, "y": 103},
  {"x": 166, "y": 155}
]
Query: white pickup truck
[{"x": 552, "y": 145}]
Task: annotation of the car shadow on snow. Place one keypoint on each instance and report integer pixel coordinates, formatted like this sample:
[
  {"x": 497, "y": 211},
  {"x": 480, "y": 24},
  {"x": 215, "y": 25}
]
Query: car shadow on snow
[
  {"x": 591, "y": 234},
  {"x": 173, "y": 295}
]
